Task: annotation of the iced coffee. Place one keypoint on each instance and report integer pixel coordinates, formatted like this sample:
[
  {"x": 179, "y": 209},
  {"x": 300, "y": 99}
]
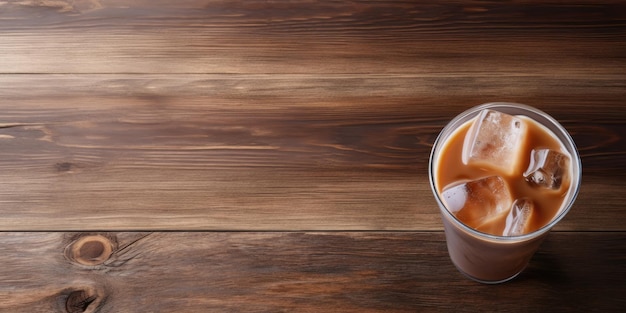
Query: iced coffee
[{"x": 503, "y": 175}]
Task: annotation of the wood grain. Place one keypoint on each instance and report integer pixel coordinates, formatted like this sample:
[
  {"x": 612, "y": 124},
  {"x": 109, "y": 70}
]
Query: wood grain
[
  {"x": 264, "y": 152},
  {"x": 304, "y": 272},
  {"x": 297, "y": 134},
  {"x": 90, "y": 36}
]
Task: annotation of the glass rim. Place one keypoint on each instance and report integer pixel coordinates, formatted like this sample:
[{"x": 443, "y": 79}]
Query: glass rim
[{"x": 569, "y": 143}]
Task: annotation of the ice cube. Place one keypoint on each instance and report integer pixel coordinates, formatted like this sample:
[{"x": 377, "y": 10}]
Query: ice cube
[
  {"x": 479, "y": 201},
  {"x": 517, "y": 221},
  {"x": 547, "y": 168},
  {"x": 495, "y": 141}
]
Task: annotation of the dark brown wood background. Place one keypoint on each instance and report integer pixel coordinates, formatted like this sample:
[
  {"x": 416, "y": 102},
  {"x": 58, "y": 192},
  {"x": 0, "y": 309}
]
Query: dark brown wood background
[{"x": 271, "y": 156}]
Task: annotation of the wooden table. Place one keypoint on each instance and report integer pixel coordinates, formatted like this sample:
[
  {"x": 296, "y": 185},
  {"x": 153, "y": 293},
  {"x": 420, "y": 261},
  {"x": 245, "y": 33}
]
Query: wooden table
[{"x": 271, "y": 156}]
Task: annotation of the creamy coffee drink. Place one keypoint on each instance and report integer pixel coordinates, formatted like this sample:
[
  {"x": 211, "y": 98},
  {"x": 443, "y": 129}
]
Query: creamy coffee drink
[{"x": 503, "y": 175}]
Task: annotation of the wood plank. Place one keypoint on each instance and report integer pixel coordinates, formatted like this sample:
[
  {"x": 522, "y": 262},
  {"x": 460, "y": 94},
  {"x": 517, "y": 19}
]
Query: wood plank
[
  {"x": 269, "y": 152},
  {"x": 208, "y": 36},
  {"x": 310, "y": 116},
  {"x": 303, "y": 272}
]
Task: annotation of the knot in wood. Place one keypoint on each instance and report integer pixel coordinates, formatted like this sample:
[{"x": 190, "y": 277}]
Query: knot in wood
[
  {"x": 64, "y": 166},
  {"x": 80, "y": 301},
  {"x": 90, "y": 250}
]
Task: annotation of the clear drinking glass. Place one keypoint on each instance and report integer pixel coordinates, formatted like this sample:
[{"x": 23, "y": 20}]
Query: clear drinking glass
[{"x": 489, "y": 258}]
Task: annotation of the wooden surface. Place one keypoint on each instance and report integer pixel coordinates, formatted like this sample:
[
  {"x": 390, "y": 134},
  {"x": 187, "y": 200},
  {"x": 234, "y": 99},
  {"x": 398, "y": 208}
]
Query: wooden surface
[
  {"x": 304, "y": 272},
  {"x": 255, "y": 156}
]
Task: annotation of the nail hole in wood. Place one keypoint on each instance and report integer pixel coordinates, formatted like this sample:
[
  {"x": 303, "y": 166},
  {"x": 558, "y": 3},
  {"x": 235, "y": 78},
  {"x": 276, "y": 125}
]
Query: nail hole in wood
[{"x": 90, "y": 250}]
